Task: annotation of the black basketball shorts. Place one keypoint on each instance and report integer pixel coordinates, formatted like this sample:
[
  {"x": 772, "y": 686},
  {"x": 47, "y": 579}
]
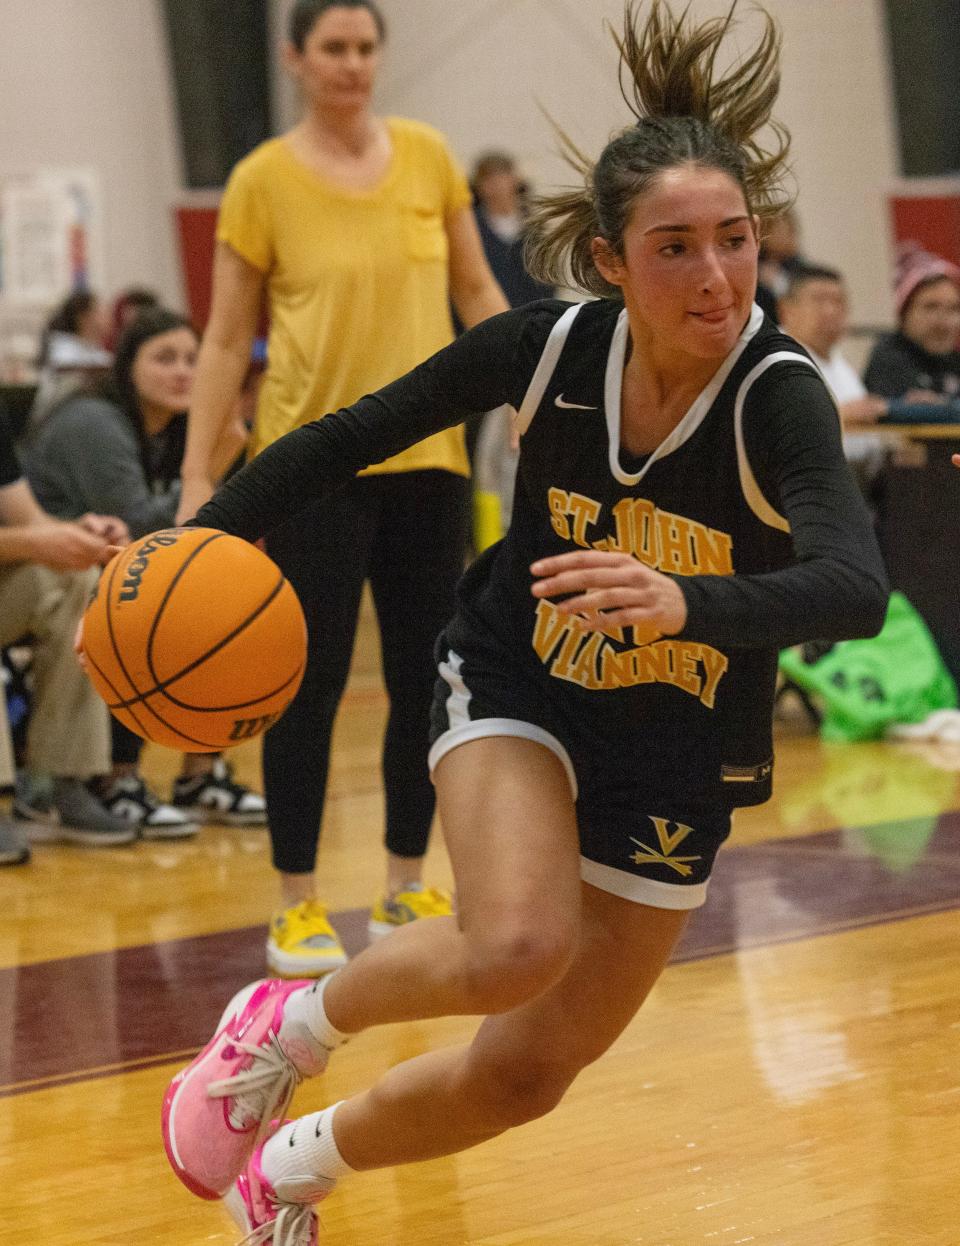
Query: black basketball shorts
[{"x": 635, "y": 841}]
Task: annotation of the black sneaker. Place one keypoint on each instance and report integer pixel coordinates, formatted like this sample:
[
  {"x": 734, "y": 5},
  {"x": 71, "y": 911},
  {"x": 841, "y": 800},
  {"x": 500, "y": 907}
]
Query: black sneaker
[
  {"x": 214, "y": 797},
  {"x": 71, "y": 815},
  {"x": 14, "y": 849},
  {"x": 129, "y": 798}
]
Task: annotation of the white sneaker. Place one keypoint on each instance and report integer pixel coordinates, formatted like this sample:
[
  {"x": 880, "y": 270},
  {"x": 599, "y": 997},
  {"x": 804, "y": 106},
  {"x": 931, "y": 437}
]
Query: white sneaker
[
  {"x": 215, "y": 797},
  {"x": 129, "y": 798}
]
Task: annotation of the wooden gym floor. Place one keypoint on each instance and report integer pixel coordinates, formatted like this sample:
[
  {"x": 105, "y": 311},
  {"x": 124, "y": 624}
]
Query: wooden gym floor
[{"x": 794, "y": 1081}]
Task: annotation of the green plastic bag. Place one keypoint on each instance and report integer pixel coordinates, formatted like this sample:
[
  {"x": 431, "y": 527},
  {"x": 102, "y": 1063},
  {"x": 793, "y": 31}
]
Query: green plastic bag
[{"x": 863, "y": 686}]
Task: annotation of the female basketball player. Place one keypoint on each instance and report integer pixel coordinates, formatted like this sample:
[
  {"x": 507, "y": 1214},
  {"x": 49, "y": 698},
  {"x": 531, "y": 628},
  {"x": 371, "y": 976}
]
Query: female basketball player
[
  {"x": 357, "y": 231},
  {"x": 682, "y": 511}
]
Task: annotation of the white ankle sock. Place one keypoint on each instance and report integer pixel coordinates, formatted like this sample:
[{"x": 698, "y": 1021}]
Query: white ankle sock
[
  {"x": 303, "y": 1157},
  {"x": 305, "y": 1007}
]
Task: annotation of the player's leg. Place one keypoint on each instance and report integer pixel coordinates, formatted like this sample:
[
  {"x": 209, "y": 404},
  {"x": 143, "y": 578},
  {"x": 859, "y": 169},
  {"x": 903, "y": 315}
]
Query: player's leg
[
  {"x": 517, "y": 1068},
  {"x": 521, "y": 1062},
  {"x": 415, "y": 565},
  {"x": 523, "y": 1059},
  {"x": 508, "y": 809}
]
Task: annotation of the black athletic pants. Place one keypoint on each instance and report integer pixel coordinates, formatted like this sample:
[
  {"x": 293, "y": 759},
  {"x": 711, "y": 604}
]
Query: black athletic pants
[
  {"x": 126, "y": 747},
  {"x": 406, "y": 533}
]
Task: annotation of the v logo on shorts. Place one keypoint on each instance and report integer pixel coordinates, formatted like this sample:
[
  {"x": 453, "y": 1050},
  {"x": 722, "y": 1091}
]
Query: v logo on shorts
[
  {"x": 570, "y": 406},
  {"x": 669, "y": 840}
]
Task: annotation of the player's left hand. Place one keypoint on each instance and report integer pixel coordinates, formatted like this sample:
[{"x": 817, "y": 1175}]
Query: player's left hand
[{"x": 611, "y": 590}]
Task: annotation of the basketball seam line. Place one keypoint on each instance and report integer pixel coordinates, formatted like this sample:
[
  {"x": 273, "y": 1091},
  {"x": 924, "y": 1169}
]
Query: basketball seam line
[
  {"x": 178, "y": 576},
  {"x": 162, "y": 685}
]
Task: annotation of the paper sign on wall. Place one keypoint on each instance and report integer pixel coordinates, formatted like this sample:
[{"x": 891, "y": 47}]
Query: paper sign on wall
[{"x": 51, "y": 235}]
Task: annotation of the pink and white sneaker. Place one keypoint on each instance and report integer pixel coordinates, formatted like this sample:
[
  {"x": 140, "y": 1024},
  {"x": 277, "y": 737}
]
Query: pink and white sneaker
[
  {"x": 219, "y": 1108},
  {"x": 280, "y": 1215}
]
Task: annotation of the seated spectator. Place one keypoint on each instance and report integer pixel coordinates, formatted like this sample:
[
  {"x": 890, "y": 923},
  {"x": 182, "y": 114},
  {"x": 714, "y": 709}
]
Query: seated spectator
[
  {"x": 114, "y": 446},
  {"x": 920, "y": 363},
  {"x": 118, "y": 448},
  {"x": 779, "y": 257},
  {"x": 47, "y": 573},
  {"x": 72, "y": 349},
  {"x": 14, "y": 848},
  {"x": 814, "y": 310},
  {"x": 127, "y": 306},
  {"x": 81, "y": 317}
]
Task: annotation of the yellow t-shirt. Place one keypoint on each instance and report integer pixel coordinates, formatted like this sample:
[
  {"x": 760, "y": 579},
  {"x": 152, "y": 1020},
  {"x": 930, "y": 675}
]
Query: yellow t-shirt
[{"x": 357, "y": 281}]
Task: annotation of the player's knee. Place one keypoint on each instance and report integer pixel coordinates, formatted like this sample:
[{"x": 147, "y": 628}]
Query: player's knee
[
  {"x": 529, "y": 1088},
  {"x": 513, "y": 966}
]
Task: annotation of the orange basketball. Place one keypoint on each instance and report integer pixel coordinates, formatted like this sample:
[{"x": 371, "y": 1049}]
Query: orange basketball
[{"x": 195, "y": 639}]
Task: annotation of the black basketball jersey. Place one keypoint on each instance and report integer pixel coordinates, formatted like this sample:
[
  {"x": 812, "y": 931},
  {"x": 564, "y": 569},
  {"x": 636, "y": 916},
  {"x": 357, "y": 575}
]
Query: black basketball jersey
[
  {"x": 697, "y": 714},
  {"x": 748, "y": 504}
]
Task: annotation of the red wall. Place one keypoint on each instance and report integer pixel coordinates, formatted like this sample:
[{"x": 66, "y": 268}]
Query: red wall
[
  {"x": 196, "y": 230},
  {"x": 931, "y": 220}
]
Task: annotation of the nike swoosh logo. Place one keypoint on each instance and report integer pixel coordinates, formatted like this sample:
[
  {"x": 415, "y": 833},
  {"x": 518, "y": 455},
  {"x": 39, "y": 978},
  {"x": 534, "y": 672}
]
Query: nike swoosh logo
[{"x": 570, "y": 406}]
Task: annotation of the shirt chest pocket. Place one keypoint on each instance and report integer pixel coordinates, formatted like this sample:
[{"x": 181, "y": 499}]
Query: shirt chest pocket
[{"x": 424, "y": 236}]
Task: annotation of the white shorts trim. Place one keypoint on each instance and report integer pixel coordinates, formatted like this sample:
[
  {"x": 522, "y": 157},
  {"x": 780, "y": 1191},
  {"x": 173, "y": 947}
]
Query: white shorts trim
[
  {"x": 486, "y": 728},
  {"x": 649, "y": 891}
]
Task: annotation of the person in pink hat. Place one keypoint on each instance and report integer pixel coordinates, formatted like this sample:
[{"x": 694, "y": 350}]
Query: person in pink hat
[{"x": 920, "y": 361}]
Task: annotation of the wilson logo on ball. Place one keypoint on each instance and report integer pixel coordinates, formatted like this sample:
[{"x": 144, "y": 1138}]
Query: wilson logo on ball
[
  {"x": 133, "y": 573},
  {"x": 247, "y": 728}
]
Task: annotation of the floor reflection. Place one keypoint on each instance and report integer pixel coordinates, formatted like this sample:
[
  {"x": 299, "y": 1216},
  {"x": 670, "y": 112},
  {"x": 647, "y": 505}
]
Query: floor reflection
[{"x": 73, "y": 1016}]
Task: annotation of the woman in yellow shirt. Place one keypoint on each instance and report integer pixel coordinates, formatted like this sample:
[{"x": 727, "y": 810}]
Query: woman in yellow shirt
[{"x": 359, "y": 232}]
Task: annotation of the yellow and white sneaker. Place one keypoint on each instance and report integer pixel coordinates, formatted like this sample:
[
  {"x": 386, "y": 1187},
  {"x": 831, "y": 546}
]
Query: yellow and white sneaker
[
  {"x": 302, "y": 943},
  {"x": 409, "y": 905}
]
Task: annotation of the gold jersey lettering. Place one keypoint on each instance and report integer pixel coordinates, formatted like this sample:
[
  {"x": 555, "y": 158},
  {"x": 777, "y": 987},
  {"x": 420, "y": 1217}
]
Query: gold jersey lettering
[
  {"x": 715, "y": 665},
  {"x": 714, "y": 551},
  {"x": 549, "y": 629},
  {"x": 583, "y": 511},
  {"x": 686, "y": 674},
  {"x": 662, "y": 541},
  {"x": 645, "y": 521},
  {"x": 675, "y": 544},
  {"x": 590, "y": 660},
  {"x": 659, "y": 539},
  {"x": 616, "y": 668},
  {"x": 563, "y": 663},
  {"x": 558, "y": 501},
  {"x": 584, "y": 669},
  {"x": 652, "y": 664}
]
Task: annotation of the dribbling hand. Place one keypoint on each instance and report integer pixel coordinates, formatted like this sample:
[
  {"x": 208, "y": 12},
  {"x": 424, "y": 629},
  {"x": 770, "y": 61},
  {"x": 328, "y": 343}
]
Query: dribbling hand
[
  {"x": 611, "y": 590},
  {"x": 109, "y": 552}
]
